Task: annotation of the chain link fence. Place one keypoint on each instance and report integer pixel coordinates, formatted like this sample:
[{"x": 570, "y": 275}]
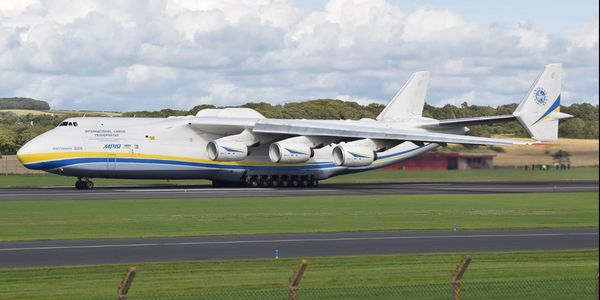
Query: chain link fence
[
  {"x": 546, "y": 289},
  {"x": 10, "y": 164}
]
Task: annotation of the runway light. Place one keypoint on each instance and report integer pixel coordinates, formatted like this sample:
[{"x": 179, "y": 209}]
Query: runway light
[
  {"x": 454, "y": 227},
  {"x": 276, "y": 253}
]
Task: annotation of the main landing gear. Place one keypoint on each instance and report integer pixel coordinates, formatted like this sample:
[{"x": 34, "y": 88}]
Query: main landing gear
[
  {"x": 84, "y": 184},
  {"x": 281, "y": 181}
]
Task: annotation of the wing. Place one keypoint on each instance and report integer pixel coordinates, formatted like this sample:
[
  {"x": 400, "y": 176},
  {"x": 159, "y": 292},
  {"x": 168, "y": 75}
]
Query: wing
[{"x": 370, "y": 131}]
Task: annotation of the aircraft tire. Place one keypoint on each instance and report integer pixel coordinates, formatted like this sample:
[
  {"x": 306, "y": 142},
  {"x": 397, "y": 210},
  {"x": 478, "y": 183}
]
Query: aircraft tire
[
  {"x": 265, "y": 182},
  {"x": 254, "y": 182},
  {"x": 285, "y": 183},
  {"x": 275, "y": 182},
  {"x": 314, "y": 183},
  {"x": 295, "y": 182},
  {"x": 88, "y": 185},
  {"x": 79, "y": 185},
  {"x": 304, "y": 182}
]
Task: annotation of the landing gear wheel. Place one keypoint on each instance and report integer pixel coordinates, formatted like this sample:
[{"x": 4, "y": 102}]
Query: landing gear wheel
[
  {"x": 295, "y": 182},
  {"x": 264, "y": 182},
  {"x": 314, "y": 183},
  {"x": 84, "y": 184},
  {"x": 274, "y": 182},
  {"x": 253, "y": 182},
  {"x": 304, "y": 182},
  {"x": 285, "y": 182},
  {"x": 89, "y": 185}
]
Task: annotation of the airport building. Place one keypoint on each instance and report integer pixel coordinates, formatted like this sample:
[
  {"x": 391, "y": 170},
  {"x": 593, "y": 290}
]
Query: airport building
[{"x": 446, "y": 161}]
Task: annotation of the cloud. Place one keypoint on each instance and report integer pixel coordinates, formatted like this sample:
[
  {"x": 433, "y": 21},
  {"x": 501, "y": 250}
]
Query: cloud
[{"x": 134, "y": 55}]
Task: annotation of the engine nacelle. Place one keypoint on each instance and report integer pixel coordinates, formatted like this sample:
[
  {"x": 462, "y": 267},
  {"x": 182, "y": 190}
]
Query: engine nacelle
[
  {"x": 287, "y": 153},
  {"x": 226, "y": 151},
  {"x": 353, "y": 156}
]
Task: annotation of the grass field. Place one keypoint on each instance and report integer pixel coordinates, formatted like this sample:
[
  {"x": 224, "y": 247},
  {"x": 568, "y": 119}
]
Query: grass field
[
  {"x": 69, "y": 219},
  {"x": 375, "y": 176},
  {"x": 583, "y": 153},
  {"x": 426, "y": 273}
]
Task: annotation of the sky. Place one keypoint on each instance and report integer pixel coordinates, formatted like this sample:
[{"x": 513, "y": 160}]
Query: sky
[{"x": 154, "y": 54}]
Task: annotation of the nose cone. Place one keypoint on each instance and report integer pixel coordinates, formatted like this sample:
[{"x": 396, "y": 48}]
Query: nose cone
[{"x": 24, "y": 153}]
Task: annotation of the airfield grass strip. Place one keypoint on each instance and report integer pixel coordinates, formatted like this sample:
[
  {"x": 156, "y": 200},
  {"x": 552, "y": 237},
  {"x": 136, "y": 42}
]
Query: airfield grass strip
[
  {"x": 352, "y": 273},
  {"x": 88, "y": 219},
  {"x": 376, "y": 176}
]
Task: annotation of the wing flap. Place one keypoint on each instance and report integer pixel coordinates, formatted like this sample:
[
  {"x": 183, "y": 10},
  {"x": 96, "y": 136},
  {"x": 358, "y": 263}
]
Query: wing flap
[{"x": 477, "y": 120}]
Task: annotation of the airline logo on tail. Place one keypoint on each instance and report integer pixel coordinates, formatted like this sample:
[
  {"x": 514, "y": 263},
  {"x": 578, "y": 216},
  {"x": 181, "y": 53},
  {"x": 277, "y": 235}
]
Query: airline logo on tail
[{"x": 540, "y": 96}]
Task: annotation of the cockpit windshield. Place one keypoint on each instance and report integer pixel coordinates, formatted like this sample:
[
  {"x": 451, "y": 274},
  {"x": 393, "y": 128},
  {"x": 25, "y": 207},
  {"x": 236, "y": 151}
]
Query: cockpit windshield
[{"x": 67, "y": 124}]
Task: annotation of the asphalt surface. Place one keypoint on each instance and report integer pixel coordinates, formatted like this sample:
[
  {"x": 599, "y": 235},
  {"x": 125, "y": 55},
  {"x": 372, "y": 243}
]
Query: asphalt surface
[
  {"x": 84, "y": 252},
  {"x": 169, "y": 192}
]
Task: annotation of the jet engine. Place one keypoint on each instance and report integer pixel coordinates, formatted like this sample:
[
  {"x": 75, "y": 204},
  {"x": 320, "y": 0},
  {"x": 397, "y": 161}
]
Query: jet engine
[
  {"x": 353, "y": 156},
  {"x": 289, "y": 152},
  {"x": 226, "y": 150}
]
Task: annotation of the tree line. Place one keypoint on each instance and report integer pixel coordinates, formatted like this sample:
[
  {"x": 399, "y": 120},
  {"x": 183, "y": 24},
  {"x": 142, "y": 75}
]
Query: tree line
[{"x": 15, "y": 130}]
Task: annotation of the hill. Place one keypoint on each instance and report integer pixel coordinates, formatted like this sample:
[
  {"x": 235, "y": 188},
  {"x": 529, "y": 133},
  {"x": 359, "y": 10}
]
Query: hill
[{"x": 23, "y": 103}]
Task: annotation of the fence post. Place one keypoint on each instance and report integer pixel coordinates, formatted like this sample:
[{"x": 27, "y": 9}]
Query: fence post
[
  {"x": 457, "y": 274},
  {"x": 596, "y": 283},
  {"x": 126, "y": 284},
  {"x": 294, "y": 281}
]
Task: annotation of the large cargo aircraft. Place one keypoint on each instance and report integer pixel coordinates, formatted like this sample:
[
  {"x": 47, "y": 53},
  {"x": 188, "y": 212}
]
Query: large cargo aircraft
[{"x": 240, "y": 146}]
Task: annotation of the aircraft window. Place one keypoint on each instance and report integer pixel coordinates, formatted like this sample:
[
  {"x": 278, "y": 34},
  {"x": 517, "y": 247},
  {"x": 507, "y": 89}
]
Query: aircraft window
[
  {"x": 63, "y": 124},
  {"x": 74, "y": 123}
]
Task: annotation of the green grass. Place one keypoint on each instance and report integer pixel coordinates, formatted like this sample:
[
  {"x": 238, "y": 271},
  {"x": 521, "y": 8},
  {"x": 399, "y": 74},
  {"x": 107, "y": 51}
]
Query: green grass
[
  {"x": 76, "y": 219},
  {"x": 375, "y": 176},
  {"x": 425, "y": 274}
]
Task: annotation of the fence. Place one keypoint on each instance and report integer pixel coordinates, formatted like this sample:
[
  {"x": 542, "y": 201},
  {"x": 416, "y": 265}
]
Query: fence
[
  {"x": 10, "y": 164},
  {"x": 546, "y": 289}
]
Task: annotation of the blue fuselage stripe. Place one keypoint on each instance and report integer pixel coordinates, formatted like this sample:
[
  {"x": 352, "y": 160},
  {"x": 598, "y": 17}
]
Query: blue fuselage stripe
[{"x": 60, "y": 163}]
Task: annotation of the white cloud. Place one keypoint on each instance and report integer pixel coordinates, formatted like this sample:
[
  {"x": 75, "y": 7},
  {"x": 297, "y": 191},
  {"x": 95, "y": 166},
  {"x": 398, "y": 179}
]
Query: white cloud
[{"x": 133, "y": 55}]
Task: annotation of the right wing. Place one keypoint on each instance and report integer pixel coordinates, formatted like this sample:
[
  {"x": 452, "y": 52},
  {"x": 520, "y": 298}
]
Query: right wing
[{"x": 354, "y": 131}]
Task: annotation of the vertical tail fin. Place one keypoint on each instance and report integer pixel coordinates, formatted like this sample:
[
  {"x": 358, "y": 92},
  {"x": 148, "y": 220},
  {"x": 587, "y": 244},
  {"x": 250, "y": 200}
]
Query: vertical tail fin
[
  {"x": 409, "y": 101},
  {"x": 539, "y": 111}
]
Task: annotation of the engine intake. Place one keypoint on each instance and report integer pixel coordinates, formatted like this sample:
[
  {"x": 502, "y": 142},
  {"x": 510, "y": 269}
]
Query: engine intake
[
  {"x": 286, "y": 153},
  {"x": 226, "y": 151},
  {"x": 353, "y": 156}
]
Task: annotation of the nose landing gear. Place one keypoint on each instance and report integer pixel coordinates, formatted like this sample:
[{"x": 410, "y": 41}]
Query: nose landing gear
[{"x": 84, "y": 184}]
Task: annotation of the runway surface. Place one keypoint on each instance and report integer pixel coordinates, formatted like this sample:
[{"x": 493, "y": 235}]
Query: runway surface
[
  {"x": 84, "y": 252},
  {"x": 169, "y": 192}
]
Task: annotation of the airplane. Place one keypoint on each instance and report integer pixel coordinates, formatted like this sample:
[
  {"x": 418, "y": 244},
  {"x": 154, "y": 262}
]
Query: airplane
[{"x": 239, "y": 146}]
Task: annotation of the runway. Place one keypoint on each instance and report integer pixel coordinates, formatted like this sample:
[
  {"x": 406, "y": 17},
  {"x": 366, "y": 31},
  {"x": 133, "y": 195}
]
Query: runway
[
  {"x": 143, "y": 250},
  {"x": 172, "y": 191}
]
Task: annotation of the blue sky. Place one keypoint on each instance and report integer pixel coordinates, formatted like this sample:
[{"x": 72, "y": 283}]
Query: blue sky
[{"x": 146, "y": 55}]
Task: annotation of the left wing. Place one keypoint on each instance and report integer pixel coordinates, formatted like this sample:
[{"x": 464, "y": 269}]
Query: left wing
[{"x": 338, "y": 129}]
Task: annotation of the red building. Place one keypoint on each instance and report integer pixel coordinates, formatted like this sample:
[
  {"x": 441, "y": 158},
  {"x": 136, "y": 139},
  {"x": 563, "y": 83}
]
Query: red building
[{"x": 445, "y": 161}]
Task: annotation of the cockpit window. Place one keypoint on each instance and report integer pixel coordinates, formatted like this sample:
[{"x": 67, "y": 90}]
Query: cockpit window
[{"x": 68, "y": 124}]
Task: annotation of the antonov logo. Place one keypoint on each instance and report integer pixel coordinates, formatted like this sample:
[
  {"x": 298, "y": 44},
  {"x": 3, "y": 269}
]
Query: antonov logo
[{"x": 540, "y": 96}]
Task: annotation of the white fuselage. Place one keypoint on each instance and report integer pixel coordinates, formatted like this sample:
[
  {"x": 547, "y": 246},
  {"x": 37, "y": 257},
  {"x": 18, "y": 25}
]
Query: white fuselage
[{"x": 168, "y": 148}]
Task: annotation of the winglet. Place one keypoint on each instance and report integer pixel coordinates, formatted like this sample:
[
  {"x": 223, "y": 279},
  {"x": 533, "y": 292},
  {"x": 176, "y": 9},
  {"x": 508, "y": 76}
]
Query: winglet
[{"x": 409, "y": 101}]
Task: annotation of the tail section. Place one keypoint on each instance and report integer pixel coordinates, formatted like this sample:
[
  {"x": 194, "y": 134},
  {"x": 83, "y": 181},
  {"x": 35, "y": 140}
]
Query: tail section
[
  {"x": 409, "y": 101},
  {"x": 539, "y": 111}
]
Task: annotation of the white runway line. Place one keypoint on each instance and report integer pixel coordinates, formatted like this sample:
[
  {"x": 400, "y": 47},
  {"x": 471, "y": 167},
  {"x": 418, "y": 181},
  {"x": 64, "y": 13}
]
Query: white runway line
[{"x": 301, "y": 240}]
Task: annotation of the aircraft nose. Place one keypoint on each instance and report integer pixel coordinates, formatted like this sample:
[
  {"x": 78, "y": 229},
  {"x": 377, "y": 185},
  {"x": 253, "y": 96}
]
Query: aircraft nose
[{"x": 26, "y": 153}]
